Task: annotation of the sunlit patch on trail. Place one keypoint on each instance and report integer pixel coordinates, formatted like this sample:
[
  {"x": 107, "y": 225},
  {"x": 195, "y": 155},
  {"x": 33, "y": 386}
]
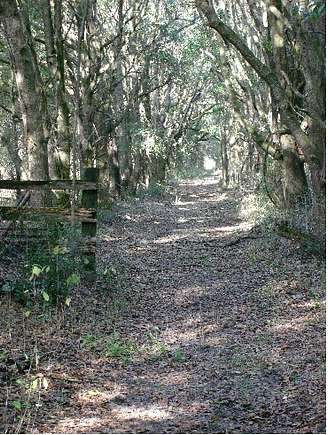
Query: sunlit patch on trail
[
  {"x": 95, "y": 395},
  {"x": 243, "y": 226},
  {"x": 200, "y": 182},
  {"x": 169, "y": 239},
  {"x": 148, "y": 413},
  {"x": 74, "y": 425},
  {"x": 126, "y": 414},
  {"x": 313, "y": 304},
  {"x": 297, "y": 324}
]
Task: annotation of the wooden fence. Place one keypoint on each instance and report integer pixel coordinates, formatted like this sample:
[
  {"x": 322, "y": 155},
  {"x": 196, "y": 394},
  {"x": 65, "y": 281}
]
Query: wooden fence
[{"x": 86, "y": 214}]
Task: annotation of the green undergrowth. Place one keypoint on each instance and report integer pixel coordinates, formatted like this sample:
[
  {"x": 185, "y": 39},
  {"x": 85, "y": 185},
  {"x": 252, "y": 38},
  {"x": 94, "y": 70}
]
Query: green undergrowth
[
  {"x": 39, "y": 314},
  {"x": 117, "y": 347},
  {"x": 309, "y": 243},
  {"x": 155, "y": 190},
  {"x": 46, "y": 270},
  {"x": 191, "y": 172},
  {"x": 303, "y": 224}
]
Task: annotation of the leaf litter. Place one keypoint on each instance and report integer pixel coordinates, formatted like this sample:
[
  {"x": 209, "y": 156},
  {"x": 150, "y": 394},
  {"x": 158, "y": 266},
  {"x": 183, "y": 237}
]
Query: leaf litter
[{"x": 200, "y": 323}]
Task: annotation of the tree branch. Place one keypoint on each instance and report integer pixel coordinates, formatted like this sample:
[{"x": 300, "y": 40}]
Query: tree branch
[{"x": 206, "y": 8}]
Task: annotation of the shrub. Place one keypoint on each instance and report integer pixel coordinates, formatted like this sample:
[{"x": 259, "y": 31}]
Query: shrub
[{"x": 47, "y": 271}]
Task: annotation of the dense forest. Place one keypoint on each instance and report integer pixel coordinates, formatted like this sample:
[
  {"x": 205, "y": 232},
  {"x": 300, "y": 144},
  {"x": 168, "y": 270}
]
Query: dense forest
[
  {"x": 145, "y": 89},
  {"x": 205, "y": 122}
]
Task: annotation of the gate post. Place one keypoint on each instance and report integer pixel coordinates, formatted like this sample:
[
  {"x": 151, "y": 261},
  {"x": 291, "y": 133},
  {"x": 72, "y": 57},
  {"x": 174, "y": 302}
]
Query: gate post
[{"x": 89, "y": 229}]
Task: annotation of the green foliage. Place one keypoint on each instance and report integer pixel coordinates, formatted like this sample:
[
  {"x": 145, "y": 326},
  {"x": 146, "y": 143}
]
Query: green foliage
[
  {"x": 125, "y": 349},
  {"x": 50, "y": 271},
  {"x": 179, "y": 356},
  {"x": 156, "y": 190},
  {"x": 317, "y": 10},
  {"x": 121, "y": 349},
  {"x": 310, "y": 244},
  {"x": 190, "y": 171},
  {"x": 267, "y": 45},
  {"x": 73, "y": 280},
  {"x": 89, "y": 341},
  {"x": 18, "y": 405},
  {"x": 155, "y": 348}
]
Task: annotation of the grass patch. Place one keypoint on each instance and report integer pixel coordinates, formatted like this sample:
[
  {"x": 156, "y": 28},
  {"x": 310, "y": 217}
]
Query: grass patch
[
  {"x": 121, "y": 349},
  {"x": 179, "y": 356},
  {"x": 155, "y": 348}
]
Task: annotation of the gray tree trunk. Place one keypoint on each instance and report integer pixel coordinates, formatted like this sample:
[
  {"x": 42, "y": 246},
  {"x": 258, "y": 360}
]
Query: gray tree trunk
[{"x": 29, "y": 90}]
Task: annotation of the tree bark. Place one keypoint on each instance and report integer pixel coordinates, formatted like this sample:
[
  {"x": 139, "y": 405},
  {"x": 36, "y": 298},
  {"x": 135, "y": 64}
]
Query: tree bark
[
  {"x": 114, "y": 168},
  {"x": 29, "y": 90},
  {"x": 294, "y": 178},
  {"x": 313, "y": 152},
  {"x": 225, "y": 162},
  {"x": 60, "y": 158}
]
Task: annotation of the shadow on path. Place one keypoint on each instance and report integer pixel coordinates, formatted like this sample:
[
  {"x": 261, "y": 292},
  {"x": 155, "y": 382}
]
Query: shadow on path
[{"x": 225, "y": 338}]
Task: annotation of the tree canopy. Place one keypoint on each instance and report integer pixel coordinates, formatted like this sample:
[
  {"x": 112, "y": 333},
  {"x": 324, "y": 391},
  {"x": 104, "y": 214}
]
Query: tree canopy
[{"x": 145, "y": 89}]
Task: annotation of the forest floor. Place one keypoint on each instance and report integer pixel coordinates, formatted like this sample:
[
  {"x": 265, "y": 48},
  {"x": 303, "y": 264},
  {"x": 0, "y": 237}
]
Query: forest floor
[{"x": 200, "y": 323}]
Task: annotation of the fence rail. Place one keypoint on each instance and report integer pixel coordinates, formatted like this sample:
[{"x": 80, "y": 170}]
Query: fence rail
[
  {"x": 87, "y": 214},
  {"x": 80, "y": 214},
  {"x": 48, "y": 185}
]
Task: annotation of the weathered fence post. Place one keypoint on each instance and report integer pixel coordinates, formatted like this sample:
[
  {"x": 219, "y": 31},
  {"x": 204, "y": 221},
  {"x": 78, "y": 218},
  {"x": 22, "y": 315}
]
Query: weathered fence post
[{"x": 89, "y": 229}]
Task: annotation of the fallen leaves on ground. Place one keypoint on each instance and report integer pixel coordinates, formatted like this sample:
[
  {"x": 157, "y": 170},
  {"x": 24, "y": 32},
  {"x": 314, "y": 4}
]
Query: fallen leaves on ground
[{"x": 201, "y": 323}]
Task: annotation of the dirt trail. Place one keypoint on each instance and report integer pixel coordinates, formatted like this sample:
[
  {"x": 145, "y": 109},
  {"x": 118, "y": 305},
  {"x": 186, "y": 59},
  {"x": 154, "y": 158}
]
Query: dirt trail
[{"x": 219, "y": 328}]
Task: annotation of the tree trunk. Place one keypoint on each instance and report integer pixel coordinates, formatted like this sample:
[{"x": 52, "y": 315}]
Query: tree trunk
[
  {"x": 60, "y": 158},
  {"x": 114, "y": 168},
  {"x": 63, "y": 124},
  {"x": 312, "y": 149},
  {"x": 29, "y": 89},
  {"x": 294, "y": 178},
  {"x": 225, "y": 163}
]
